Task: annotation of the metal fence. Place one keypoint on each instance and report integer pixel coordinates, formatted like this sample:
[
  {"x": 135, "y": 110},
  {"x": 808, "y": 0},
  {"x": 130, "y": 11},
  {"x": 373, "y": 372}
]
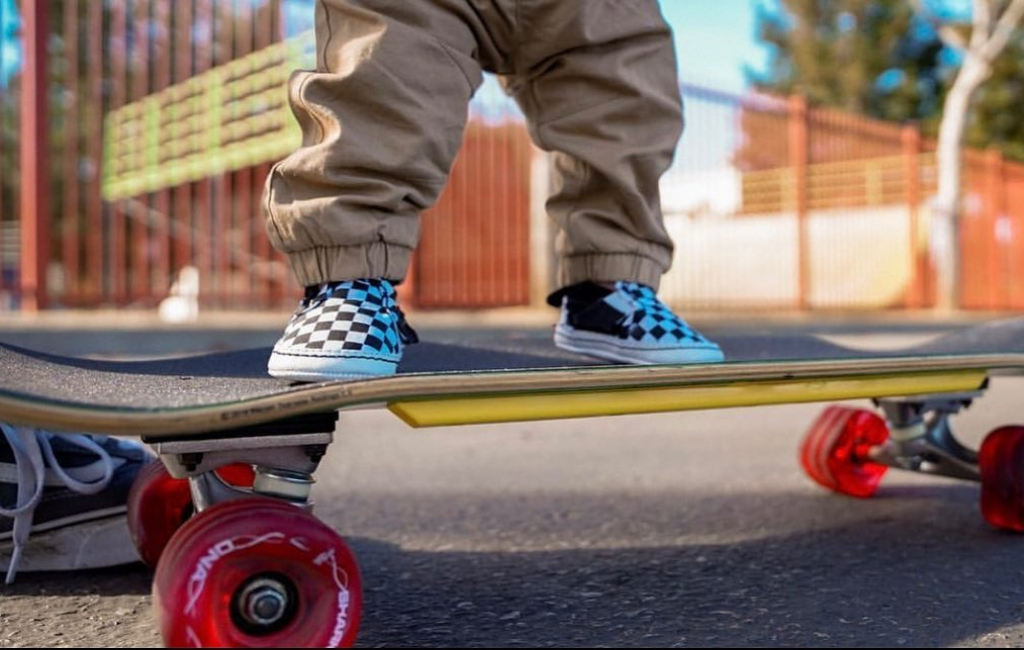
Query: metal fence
[
  {"x": 161, "y": 121},
  {"x": 102, "y": 59},
  {"x": 799, "y": 208},
  {"x": 775, "y": 204}
]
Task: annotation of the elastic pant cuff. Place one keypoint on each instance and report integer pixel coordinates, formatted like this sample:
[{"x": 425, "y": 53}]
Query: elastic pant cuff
[
  {"x": 337, "y": 263},
  {"x": 610, "y": 267}
]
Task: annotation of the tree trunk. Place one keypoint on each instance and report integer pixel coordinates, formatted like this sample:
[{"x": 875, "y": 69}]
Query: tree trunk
[{"x": 945, "y": 221}]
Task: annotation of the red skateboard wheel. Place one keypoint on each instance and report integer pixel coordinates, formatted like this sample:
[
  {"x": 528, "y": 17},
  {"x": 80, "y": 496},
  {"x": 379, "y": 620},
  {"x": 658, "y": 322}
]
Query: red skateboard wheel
[
  {"x": 835, "y": 451},
  {"x": 257, "y": 573},
  {"x": 158, "y": 504},
  {"x": 1001, "y": 462}
]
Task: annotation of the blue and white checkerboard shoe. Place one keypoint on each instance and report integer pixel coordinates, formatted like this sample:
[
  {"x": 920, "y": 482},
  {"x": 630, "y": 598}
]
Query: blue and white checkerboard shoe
[
  {"x": 627, "y": 324},
  {"x": 343, "y": 330}
]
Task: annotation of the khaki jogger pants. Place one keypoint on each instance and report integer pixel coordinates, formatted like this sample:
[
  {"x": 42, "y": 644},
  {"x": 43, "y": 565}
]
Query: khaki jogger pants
[{"x": 383, "y": 115}]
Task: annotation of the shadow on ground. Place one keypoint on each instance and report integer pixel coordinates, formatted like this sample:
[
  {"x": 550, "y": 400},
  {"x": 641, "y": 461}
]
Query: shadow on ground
[{"x": 914, "y": 567}]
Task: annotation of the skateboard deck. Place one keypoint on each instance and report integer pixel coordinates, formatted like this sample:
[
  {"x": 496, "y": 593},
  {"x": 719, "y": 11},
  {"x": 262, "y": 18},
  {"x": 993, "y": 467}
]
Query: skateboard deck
[
  {"x": 507, "y": 380},
  {"x": 238, "y": 564}
]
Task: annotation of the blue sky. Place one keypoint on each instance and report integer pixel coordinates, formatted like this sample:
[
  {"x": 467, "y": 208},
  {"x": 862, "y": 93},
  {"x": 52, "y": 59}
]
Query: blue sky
[
  {"x": 10, "y": 57},
  {"x": 715, "y": 39}
]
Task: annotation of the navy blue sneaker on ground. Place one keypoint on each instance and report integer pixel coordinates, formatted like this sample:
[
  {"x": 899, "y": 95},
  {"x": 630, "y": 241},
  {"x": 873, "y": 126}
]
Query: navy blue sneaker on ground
[
  {"x": 343, "y": 330},
  {"x": 627, "y": 324},
  {"x": 63, "y": 500}
]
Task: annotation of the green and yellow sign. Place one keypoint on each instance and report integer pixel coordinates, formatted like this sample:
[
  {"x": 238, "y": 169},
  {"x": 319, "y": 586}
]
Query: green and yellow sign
[{"x": 230, "y": 117}]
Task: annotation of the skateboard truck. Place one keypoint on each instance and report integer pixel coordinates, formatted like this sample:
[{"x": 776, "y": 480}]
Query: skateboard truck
[
  {"x": 921, "y": 438},
  {"x": 285, "y": 454}
]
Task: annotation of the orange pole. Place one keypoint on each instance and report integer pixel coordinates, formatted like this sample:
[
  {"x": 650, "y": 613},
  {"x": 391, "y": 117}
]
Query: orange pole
[
  {"x": 911, "y": 140},
  {"x": 34, "y": 157},
  {"x": 799, "y": 160}
]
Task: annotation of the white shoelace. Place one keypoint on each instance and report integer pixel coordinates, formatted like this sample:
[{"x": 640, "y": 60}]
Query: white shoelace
[{"x": 33, "y": 455}]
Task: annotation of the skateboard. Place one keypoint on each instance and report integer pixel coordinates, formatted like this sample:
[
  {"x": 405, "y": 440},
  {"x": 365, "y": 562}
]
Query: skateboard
[{"x": 225, "y": 517}]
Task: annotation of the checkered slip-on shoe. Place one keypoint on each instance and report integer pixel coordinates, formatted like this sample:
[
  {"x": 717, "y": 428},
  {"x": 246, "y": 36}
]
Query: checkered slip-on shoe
[
  {"x": 343, "y": 330},
  {"x": 628, "y": 324}
]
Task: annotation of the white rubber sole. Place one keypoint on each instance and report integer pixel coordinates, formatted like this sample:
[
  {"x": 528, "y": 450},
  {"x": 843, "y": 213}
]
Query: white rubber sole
[
  {"x": 303, "y": 367},
  {"x": 93, "y": 544},
  {"x": 605, "y": 347}
]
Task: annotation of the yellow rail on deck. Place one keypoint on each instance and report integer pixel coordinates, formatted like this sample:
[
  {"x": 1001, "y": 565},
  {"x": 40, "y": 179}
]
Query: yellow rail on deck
[{"x": 443, "y": 411}]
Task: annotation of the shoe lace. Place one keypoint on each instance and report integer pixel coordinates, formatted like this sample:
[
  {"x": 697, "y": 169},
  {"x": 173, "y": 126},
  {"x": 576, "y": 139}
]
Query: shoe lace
[
  {"x": 33, "y": 455},
  {"x": 405, "y": 330}
]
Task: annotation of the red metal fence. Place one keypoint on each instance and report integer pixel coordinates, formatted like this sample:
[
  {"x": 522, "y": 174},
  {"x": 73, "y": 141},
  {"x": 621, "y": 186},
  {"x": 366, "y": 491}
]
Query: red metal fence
[
  {"x": 100, "y": 57},
  {"x": 812, "y": 208},
  {"x": 993, "y": 233},
  {"x": 475, "y": 245},
  {"x": 176, "y": 111},
  {"x": 163, "y": 119},
  {"x": 833, "y": 167}
]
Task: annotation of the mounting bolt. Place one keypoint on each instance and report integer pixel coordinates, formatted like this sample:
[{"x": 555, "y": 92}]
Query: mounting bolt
[
  {"x": 264, "y": 602},
  {"x": 190, "y": 461}
]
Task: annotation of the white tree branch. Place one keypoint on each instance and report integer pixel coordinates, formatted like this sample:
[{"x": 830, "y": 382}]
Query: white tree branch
[
  {"x": 1008, "y": 22},
  {"x": 981, "y": 22},
  {"x": 990, "y": 34}
]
